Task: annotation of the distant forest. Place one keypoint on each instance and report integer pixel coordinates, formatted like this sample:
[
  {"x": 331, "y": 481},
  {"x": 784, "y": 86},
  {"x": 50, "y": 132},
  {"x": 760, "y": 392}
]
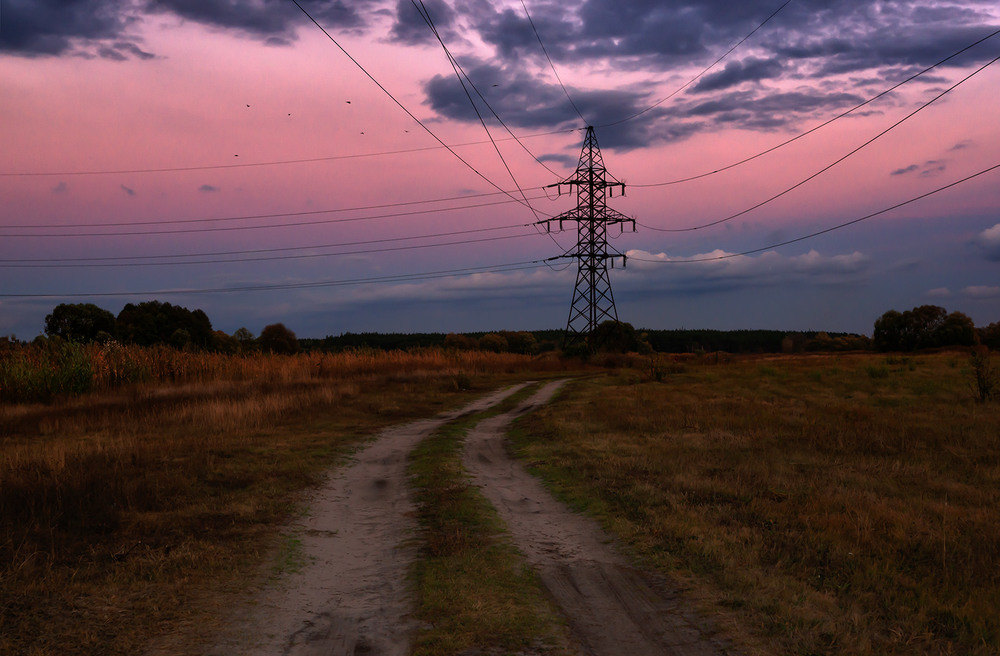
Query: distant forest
[
  {"x": 154, "y": 323},
  {"x": 663, "y": 341}
]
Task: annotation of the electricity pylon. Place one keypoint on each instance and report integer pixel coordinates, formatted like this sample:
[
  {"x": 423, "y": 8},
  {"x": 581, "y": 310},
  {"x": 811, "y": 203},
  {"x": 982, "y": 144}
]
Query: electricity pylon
[{"x": 593, "y": 302}]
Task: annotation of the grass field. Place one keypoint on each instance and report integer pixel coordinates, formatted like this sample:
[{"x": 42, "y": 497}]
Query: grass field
[
  {"x": 824, "y": 504},
  {"x": 124, "y": 498},
  {"x": 818, "y": 504}
]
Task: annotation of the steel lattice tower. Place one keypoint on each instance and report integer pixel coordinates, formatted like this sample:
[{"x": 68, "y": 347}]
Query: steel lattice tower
[{"x": 593, "y": 302}]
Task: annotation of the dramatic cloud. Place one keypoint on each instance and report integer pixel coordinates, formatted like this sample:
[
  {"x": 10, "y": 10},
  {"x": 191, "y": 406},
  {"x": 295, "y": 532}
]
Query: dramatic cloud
[
  {"x": 525, "y": 101},
  {"x": 55, "y": 27},
  {"x": 750, "y": 69},
  {"x": 411, "y": 28},
  {"x": 103, "y": 28}
]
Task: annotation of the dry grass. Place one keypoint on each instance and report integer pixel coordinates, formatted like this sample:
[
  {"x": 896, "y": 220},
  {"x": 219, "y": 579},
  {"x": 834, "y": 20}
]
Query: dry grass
[
  {"x": 118, "y": 506},
  {"x": 817, "y": 505}
]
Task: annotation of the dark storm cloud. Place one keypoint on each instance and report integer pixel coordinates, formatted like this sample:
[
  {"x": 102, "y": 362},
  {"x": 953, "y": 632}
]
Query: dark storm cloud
[
  {"x": 757, "y": 110},
  {"x": 273, "y": 20},
  {"x": 54, "y": 27},
  {"x": 735, "y": 73},
  {"x": 411, "y": 28},
  {"x": 817, "y": 43},
  {"x": 523, "y": 101},
  {"x": 100, "y": 28},
  {"x": 512, "y": 34}
]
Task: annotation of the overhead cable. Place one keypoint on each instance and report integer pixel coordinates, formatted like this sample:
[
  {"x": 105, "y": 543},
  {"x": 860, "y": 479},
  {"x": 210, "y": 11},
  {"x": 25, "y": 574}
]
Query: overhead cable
[
  {"x": 401, "y": 106},
  {"x": 411, "y": 277},
  {"x": 824, "y": 123},
  {"x": 699, "y": 75},
  {"x": 832, "y": 164},
  {"x": 825, "y": 230},
  {"x": 553, "y": 66}
]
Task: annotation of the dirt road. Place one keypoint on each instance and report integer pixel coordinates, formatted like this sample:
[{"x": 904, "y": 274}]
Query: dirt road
[
  {"x": 357, "y": 544},
  {"x": 611, "y": 608}
]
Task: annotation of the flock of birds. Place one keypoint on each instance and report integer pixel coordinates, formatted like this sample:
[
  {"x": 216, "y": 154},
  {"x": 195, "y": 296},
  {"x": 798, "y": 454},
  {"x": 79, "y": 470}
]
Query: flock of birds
[{"x": 347, "y": 101}]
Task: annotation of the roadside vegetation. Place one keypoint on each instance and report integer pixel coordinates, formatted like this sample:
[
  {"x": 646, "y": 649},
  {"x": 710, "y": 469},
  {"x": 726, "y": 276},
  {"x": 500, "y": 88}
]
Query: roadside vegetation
[
  {"x": 816, "y": 504},
  {"x": 156, "y": 474},
  {"x": 473, "y": 589}
]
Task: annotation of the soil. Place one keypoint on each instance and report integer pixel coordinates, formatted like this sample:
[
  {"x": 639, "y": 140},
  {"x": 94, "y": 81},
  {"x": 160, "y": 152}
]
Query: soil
[{"x": 348, "y": 595}]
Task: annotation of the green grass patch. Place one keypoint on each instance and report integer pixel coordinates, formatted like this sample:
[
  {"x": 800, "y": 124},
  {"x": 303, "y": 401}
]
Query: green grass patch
[{"x": 474, "y": 591}]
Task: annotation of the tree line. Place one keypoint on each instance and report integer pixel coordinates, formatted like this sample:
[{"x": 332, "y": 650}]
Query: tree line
[{"x": 152, "y": 323}]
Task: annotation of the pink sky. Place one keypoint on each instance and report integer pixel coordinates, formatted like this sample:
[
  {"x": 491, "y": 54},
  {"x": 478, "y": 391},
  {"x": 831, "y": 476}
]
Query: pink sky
[{"x": 68, "y": 115}]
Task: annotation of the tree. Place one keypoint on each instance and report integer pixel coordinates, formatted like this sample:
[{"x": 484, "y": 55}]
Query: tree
[
  {"x": 153, "y": 322},
  {"x": 926, "y": 326},
  {"x": 615, "y": 337},
  {"x": 459, "y": 342},
  {"x": 79, "y": 322},
  {"x": 522, "y": 342},
  {"x": 244, "y": 337},
  {"x": 990, "y": 335},
  {"x": 223, "y": 343},
  {"x": 957, "y": 329},
  {"x": 493, "y": 342},
  {"x": 276, "y": 338},
  {"x": 888, "y": 334}
]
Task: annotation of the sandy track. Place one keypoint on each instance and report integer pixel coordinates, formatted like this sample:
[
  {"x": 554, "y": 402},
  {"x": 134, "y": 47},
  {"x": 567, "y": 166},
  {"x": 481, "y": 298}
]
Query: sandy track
[
  {"x": 611, "y": 608},
  {"x": 357, "y": 541}
]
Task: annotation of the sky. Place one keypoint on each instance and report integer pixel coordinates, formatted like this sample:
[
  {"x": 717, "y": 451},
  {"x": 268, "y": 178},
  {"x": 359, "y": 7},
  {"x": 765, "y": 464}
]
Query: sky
[{"x": 801, "y": 165}]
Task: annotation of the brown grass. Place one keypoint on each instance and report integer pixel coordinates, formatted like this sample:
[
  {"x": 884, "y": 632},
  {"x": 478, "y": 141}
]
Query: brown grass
[
  {"x": 816, "y": 505},
  {"x": 119, "y": 506}
]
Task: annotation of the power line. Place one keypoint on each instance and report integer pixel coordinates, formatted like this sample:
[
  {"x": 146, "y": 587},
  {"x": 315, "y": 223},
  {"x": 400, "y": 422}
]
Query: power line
[
  {"x": 456, "y": 67},
  {"x": 553, "y": 66},
  {"x": 460, "y": 73},
  {"x": 825, "y": 230},
  {"x": 310, "y": 160},
  {"x": 413, "y": 277},
  {"x": 400, "y": 105},
  {"x": 243, "y": 165},
  {"x": 247, "y": 217},
  {"x": 99, "y": 262},
  {"x": 699, "y": 75},
  {"x": 422, "y": 10},
  {"x": 824, "y": 123},
  {"x": 132, "y": 233},
  {"x": 832, "y": 164}
]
